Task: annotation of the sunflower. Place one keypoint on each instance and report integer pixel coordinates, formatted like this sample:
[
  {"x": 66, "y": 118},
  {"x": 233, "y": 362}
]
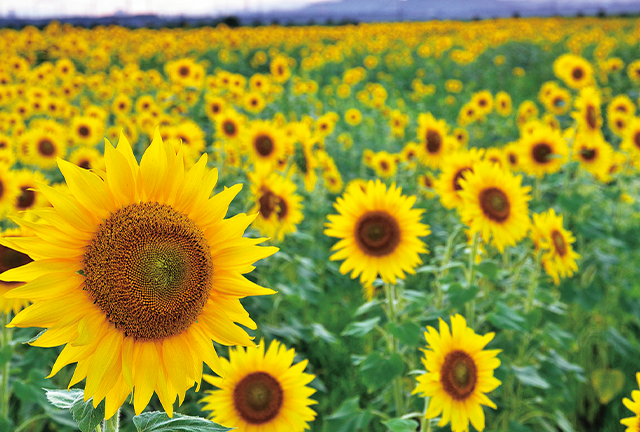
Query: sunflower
[
  {"x": 594, "y": 154},
  {"x": 633, "y": 423},
  {"x": 495, "y": 204},
  {"x": 544, "y": 151},
  {"x": 253, "y": 102},
  {"x": 279, "y": 208},
  {"x": 503, "y": 104},
  {"x": 459, "y": 374},
  {"x": 279, "y": 68},
  {"x": 87, "y": 158},
  {"x": 496, "y": 156},
  {"x": 214, "y": 106},
  {"x": 574, "y": 70},
  {"x": 86, "y": 130},
  {"x": 559, "y": 258},
  {"x": 44, "y": 147},
  {"x": 483, "y": 100},
  {"x": 455, "y": 167},
  {"x": 631, "y": 138},
  {"x": 379, "y": 233},
  {"x": 9, "y": 189},
  {"x": 265, "y": 143},
  {"x": 385, "y": 164},
  {"x": 262, "y": 391},
  {"x": 136, "y": 272},
  {"x": 229, "y": 125},
  {"x": 29, "y": 196},
  {"x": 588, "y": 114},
  {"x": 9, "y": 259},
  {"x": 353, "y": 117},
  {"x": 432, "y": 136}
]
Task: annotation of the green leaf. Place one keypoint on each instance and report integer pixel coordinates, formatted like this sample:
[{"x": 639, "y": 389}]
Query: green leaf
[
  {"x": 408, "y": 333},
  {"x": 563, "y": 422},
  {"x": 488, "y": 268},
  {"x": 400, "y": 425},
  {"x": 367, "y": 307},
  {"x": 86, "y": 415},
  {"x": 529, "y": 376},
  {"x": 378, "y": 371},
  {"x": 349, "y": 417},
  {"x": 607, "y": 383},
  {"x": 359, "y": 329},
  {"x": 459, "y": 295},
  {"x": 505, "y": 318},
  {"x": 63, "y": 398},
  {"x": 159, "y": 421},
  {"x": 322, "y": 333}
]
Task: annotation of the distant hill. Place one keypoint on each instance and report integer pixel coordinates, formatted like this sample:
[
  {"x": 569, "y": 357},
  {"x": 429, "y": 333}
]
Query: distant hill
[{"x": 420, "y": 10}]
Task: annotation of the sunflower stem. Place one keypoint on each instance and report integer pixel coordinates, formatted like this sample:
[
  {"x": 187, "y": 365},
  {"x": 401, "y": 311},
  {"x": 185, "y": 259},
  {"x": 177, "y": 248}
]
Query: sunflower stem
[
  {"x": 425, "y": 423},
  {"x": 534, "y": 283},
  {"x": 113, "y": 424},
  {"x": 4, "y": 386},
  {"x": 446, "y": 257},
  {"x": 390, "y": 293},
  {"x": 471, "y": 306}
]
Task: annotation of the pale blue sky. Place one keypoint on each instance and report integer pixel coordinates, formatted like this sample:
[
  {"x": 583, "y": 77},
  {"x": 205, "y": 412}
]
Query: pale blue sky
[{"x": 49, "y": 8}]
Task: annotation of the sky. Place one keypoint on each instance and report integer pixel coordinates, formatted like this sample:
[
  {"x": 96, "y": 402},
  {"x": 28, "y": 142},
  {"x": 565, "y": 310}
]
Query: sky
[
  {"x": 37, "y": 8},
  {"x": 52, "y": 8}
]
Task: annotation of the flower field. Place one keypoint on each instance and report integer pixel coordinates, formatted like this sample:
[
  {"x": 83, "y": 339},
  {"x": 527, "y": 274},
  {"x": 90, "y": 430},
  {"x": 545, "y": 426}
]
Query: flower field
[{"x": 382, "y": 227}]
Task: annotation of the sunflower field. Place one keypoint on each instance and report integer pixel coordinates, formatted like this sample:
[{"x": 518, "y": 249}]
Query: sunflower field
[{"x": 377, "y": 227}]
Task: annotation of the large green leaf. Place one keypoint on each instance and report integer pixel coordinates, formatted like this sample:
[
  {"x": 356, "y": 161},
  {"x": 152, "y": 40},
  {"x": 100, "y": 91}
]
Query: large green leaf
[
  {"x": 361, "y": 328},
  {"x": 400, "y": 425},
  {"x": 87, "y": 417},
  {"x": 529, "y": 376},
  {"x": 160, "y": 421},
  {"x": 607, "y": 383}
]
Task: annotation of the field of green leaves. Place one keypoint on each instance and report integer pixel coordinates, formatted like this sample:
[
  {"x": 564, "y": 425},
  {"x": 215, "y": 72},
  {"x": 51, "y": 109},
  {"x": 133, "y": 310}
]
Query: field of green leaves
[{"x": 454, "y": 206}]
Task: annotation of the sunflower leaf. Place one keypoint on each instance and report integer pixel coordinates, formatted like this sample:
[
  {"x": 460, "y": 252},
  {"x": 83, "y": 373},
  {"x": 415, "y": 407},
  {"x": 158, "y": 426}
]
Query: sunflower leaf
[
  {"x": 359, "y": 329},
  {"x": 63, "y": 398},
  {"x": 86, "y": 415},
  {"x": 401, "y": 425},
  {"x": 159, "y": 421}
]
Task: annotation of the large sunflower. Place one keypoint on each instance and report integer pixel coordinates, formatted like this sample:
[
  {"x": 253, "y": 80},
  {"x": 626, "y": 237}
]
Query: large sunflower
[
  {"x": 379, "y": 233},
  {"x": 136, "y": 272},
  {"x": 459, "y": 374},
  {"x": 495, "y": 204},
  {"x": 261, "y": 392},
  {"x": 559, "y": 258}
]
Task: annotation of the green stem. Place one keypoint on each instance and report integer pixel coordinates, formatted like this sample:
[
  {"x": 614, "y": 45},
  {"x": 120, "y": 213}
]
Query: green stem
[
  {"x": 425, "y": 423},
  {"x": 446, "y": 257},
  {"x": 534, "y": 283},
  {"x": 4, "y": 385},
  {"x": 33, "y": 419},
  {"x": 113, "y": 424},
  {"x": 471, "y": 306},
  {"x": 390, "y": 293}
]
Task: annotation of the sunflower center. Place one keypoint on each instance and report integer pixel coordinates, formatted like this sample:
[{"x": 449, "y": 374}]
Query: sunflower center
[
  {"x": 558, "y": 242},
  {"x": 541, "y": 153},
  {"x": 459, "y": 175},
  {"x": 10, "y": 258},
  {"x": 258, "y": 398},
  {"x": 384, "y": 165},
  {"x": 459, "y": 375},
  {"x": 377, "y": 233},
  {"x": 183, "y": 71},
  {"x": 592, "y": 117},
  {"x": 577, "y": 73},
  {"x": 85, "y": 163},
  {"x": 229, "y": 128},
  {"x": 149, "y": 269},
  {"x": 588, "y": 154},
  {"x": 636, "y": 139},
  {"x": 26, "y": 198},
  {"x": 46, "y": 147},
  {"x": 512, "y": 159},
  {"x": 83, "y": 131},
  {"x": 264, "y": 145},
  {"x": 434, "y": 141},
  {"x": 495, "y": 204},
  {"x": 215, "y": 108}
]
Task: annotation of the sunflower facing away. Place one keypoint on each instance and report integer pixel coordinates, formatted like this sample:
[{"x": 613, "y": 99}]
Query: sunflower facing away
[
  {"x": 495, "y": 204},
  {"x": 459, "y": 374},
  {"x": 379, "y": 233},
  {"x": 136, "y": 273},
  {"x": 262, "y": 391}
]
